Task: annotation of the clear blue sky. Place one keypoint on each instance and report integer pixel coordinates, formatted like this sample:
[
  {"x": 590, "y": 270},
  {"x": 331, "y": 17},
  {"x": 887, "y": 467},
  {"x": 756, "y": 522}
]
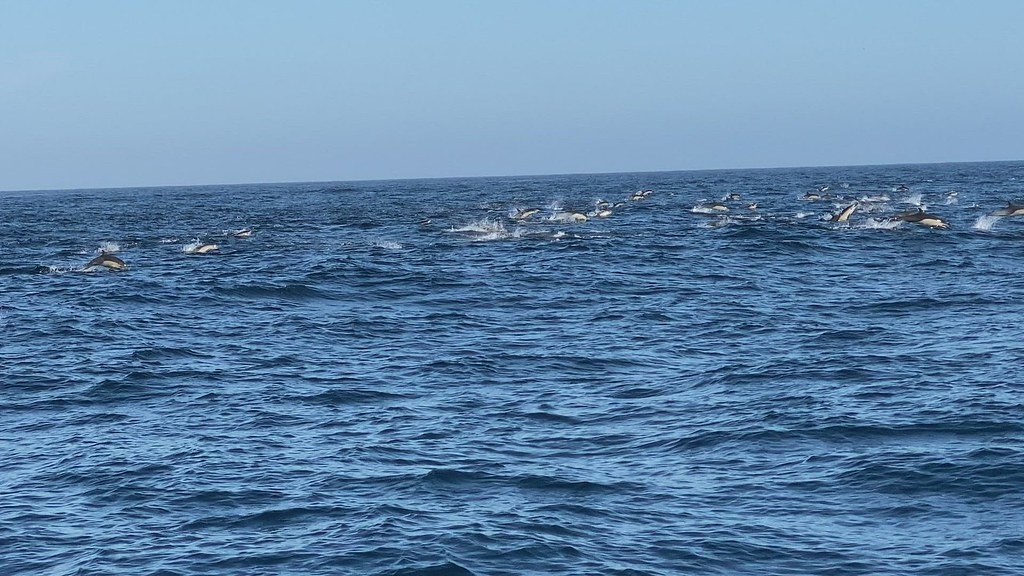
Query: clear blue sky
[{"x": 163, "y": 92}]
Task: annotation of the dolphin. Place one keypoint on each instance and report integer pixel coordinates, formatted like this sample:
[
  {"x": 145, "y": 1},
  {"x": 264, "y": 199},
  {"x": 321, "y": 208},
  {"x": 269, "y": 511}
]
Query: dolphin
[
  {"x": 107, "y": 261},
  {"x": 243, "y": 233},
  {"x": 206, "y": 248},
  {"x": 570, "y": 216},
  {"x": 844, "y": 214},
  {"x": 923, "y": 218},
  {"x": 525, "y": 213},
  {"x": 712, "y": 206},
  {"x": 1010, "y": 210}
]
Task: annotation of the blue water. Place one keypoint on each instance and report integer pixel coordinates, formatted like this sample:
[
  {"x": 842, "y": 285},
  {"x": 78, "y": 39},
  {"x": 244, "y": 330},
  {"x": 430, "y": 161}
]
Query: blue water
[{"x": 356, "y": 390}]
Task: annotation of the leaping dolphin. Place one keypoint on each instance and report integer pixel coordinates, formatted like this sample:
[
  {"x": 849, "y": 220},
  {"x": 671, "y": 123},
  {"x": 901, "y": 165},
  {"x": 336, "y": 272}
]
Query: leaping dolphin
[
  {"x": 525, "y": 213},
  {"x": 923, "y": 218},
  {"x": 710, "y": 207},
  {"x": 1010, "y": 210},
  {"x": 107, "y": 261},
  {"x": 206, "y": 248},
  {"x": 844, "y": 214}
]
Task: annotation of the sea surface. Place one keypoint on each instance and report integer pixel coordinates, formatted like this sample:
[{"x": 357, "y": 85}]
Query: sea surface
[{"x": 402, "y": 378}]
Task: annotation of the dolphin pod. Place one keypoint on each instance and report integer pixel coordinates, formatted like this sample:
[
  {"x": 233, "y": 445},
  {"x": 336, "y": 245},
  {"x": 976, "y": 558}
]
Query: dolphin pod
[
  {"x": 919, "y": 216},
  {"x": 107, "y": 260}
]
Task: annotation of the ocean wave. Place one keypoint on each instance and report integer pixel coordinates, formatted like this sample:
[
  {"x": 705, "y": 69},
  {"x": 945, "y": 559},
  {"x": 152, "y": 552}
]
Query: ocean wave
[{"x": 290, "y": 291}]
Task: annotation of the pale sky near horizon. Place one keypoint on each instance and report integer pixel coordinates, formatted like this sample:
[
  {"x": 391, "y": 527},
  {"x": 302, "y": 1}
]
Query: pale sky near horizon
[{"x": 172, "y": 92}]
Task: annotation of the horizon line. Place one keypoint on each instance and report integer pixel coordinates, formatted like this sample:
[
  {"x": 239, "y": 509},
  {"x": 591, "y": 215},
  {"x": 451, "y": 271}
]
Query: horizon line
[{"x": 554, "y": 174}]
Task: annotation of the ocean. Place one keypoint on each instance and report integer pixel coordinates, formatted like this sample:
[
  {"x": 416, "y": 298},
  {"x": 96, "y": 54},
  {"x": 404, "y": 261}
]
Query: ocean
[{"x": 416, "y": 378}]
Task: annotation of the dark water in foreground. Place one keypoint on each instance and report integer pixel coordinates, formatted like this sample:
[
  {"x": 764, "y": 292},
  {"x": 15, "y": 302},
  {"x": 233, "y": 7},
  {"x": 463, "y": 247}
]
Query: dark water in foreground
[{"x": 663, "y": 391}]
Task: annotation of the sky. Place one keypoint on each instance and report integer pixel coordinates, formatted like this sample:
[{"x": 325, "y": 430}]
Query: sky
[{"x": 177, "y": 92}]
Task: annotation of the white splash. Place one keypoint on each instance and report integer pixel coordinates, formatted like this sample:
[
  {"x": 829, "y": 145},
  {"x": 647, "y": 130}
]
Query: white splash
[
  {"x": 191, "y": 247},
  {"x": 484, "y": 230},
  {"x": 802, "y": 215},
  {"x": 985, "y": 222},
  {"x": 914, "y": 199},
  {"x": 387, "y": 245},
  {"x": 875, "y": 198},
  {"x": 879, "y": 224},
  {"x": 874, "y": 207},
  {"x": 483, "y": 226},
  {"x": 109, "y": 248},
  {"x": 720, "y": 222}
]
